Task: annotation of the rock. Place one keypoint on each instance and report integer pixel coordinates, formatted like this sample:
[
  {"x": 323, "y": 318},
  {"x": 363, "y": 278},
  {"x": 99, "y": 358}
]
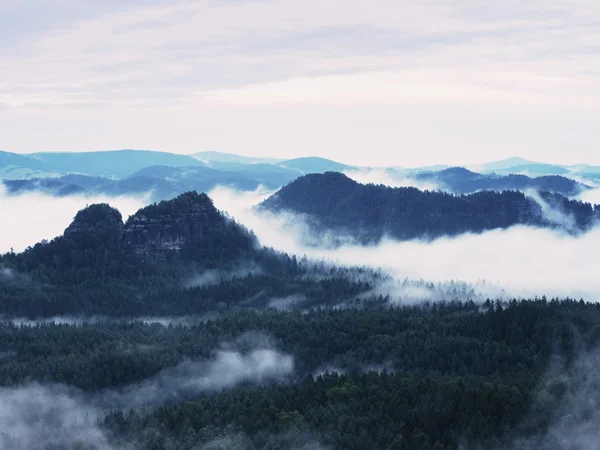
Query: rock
[{"x": 167, "y": 226}]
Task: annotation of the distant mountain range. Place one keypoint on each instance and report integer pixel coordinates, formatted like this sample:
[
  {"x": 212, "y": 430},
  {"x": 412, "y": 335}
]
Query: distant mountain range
[
  {"x": 215, "y": 159},
  {"x": 334, "y": 204},
  {"x": 110, "y": 164},
  {"x": 523, "y": 166},
  {"x": 164, "y": 175},
  {"x": 463, "y": 181},
  {"x": 134, "y": 172}
]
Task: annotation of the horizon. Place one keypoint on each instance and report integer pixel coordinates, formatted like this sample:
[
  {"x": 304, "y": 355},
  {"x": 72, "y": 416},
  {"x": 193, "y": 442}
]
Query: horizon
[
  {"x": 386, "y": 85},
  {"x": 473, "y": 166}
]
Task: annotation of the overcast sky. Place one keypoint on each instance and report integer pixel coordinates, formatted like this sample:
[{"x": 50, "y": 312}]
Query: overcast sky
[{"x": 378, "y": 82}]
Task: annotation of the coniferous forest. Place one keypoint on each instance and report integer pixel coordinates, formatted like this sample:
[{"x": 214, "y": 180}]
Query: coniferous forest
[{"x": 175, "y": 329}]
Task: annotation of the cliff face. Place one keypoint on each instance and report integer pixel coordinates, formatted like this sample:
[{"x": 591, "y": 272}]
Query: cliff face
[
  {"x": 153, "y": 232},
  {"x": 158, "y": 229}
]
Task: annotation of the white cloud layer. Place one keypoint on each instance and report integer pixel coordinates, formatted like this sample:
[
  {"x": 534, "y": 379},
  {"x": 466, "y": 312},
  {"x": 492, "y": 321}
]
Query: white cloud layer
[
  {"x": 520, "y": 261},
  {"x": 29, "y": 218}
]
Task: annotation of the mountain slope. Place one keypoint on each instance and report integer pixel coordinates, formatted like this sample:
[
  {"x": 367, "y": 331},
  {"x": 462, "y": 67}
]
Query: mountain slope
[
  {"x": 333, "y": 202},
  {"x": 506, "y": 164},
  {"x": 462, "y": 181},
  {"x": 313, "y": 165},
  {"x": 210, "y": 157},
  {"x": 116, "y": 163},
  {"x": 175, "y": 257},
  {"x": 161, "y": 182}
]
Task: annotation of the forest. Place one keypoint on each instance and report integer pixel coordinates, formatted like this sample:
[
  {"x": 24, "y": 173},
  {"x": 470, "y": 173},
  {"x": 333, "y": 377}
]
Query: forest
[
  {"x": 436, "y": 376},
  {"x": 175, "y": 329},
  {"x": 366, "y": 213}
]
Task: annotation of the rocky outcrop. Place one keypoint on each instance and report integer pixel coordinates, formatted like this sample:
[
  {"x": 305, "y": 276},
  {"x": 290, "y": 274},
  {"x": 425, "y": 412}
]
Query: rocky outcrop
[
  {"x": 100, "y": 220},
  {"x": 155, "y": 231}
]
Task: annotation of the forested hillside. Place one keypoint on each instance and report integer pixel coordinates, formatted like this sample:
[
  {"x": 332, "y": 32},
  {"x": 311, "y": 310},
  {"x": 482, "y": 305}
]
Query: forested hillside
[
  {"x": 176, "y": 330},
  {"x": 443, "y": 376},
  {"x": 171, "y": 258},
  {"x": 334, "y": 202}
]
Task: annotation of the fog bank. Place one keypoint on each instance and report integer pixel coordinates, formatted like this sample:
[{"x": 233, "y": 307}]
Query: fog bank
[
  {"x": 28, "y": 218},
  {"x": 522, "y": 261}
]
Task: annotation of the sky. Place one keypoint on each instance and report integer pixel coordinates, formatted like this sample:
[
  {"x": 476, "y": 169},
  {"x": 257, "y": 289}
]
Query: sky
[{"x": 378, "y": 82}]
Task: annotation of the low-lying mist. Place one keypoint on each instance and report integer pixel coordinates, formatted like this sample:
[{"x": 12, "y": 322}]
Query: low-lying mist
[
  {"x": 390, "y": 178},
  {"x": 58, "y": 416},
  {"x": 28, "y": 218},
  {"x": 572, "y": 422},
  {"x": 517, "y": 262}
]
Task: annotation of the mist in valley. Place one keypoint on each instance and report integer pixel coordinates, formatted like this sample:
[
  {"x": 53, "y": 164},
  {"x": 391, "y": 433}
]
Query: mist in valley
[
  {"x": 32, "y": 217},
  {"x": 41, "y": 416},
  {"x": 516, "y": 262}
]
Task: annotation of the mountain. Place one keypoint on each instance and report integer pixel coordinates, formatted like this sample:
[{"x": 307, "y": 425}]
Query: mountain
[
  {"x": 463, "y": 181},
  {"x": 584, "y": 169},
  {"x": 335, "y": 203},
  {"x": 16, "y": 160},
  {"x": 108, "y": 164},
  {"x": 189, "y": 226},
  {"x": 111, "y": 164},
  {"x": 16, "y": 166},
  {"x": 52, "y": 186},
  {"x": 535, "y": 169},
  {"x": 175, "y": 257},
  {"x": 161, "y": 182},
  {"x": 210, "y": 158},
  {"x": 313, "y": 165},
  {"x": 517, "y": 165},
  {"x": 506, "y": 164}
]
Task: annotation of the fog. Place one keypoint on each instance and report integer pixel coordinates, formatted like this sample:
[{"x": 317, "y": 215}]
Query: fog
[
  {"x": 215, "y": 276},
  {"x": 520, "y": 261},
  {"x": 225, "y": 369},
  {"x": 391, "y": 178},
  {"x": 293, "y": 439},
  {"x": 31, "y": 217},
  {"x": 591, "y": 196},
  {"x": 286, "y": 303},
  {"x": 573, "y": 395},
  {"x": 182, "y": 321},
  {"x": 552, "y": 214},
  {"x": 37, "y": 415}
]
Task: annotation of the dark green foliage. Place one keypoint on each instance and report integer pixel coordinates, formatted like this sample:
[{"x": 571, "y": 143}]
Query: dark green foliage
[
  {"x": 455, "y": 374},
  {"x": 332, "y": 201},
  {"x": 92, "y": 270}
]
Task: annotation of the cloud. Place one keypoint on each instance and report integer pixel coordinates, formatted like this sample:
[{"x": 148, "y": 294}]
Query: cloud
[
  {"x": 552, "y": 213},
  {"x": 520, "y": 261},
  {"x": 390, "y": 177},
  {"x": 569, "y": 398},
  {"x": 61, "y": 416},
  {"x": 29, "y": 218},
  {"x": 215, "y": 276},
  {"x": 292, "y": 439},
  {"x": 38, "y": 416},
  {"x": 286, "y": 303},
  {"x": 591, "y": 196},
  {"x": 185, "y": 321},
  {"x": 226, "y": 369}
]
